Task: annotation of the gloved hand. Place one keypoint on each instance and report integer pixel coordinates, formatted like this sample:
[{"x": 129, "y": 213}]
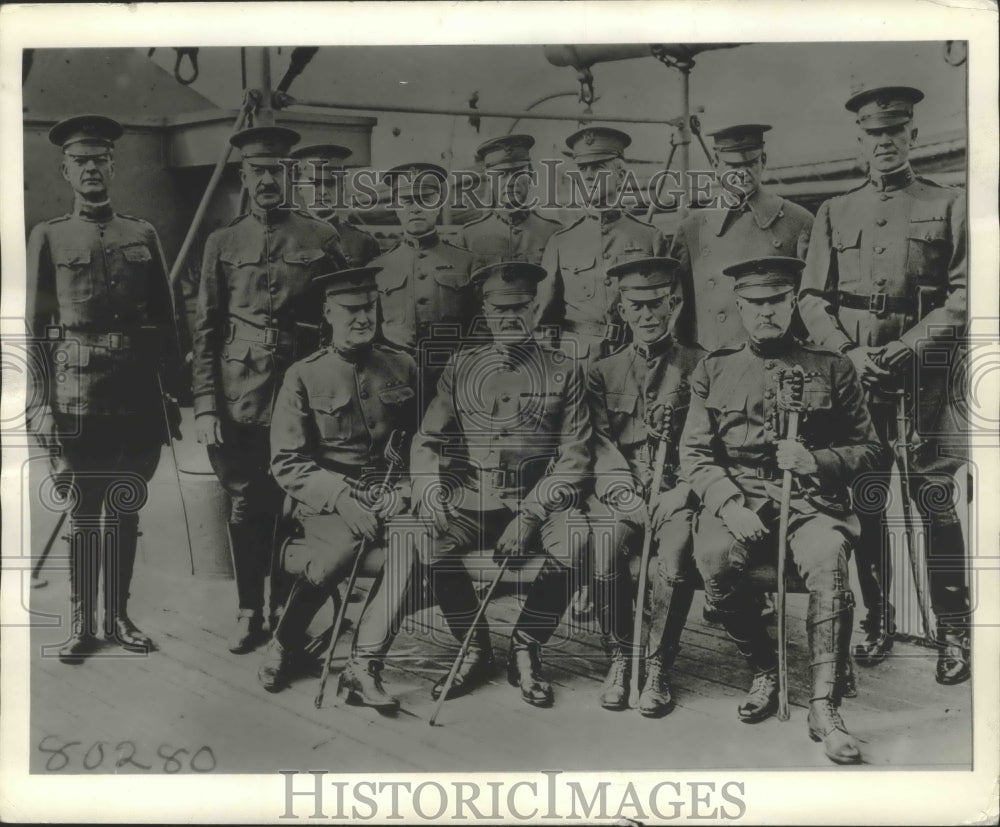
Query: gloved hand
[
  {"x": 518, "y": 538},
  {"x": 865, "y": 361},
  {"x": 360, "y": 519}
]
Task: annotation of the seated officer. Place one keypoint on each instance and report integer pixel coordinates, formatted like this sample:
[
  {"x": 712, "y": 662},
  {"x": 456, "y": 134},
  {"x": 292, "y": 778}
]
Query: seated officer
[
  {"x": 333, "y": 417},
  {"x": 733, "y": 455},
  {"x": 510, "y": 418},
  {"x": 647, "y": 378}
]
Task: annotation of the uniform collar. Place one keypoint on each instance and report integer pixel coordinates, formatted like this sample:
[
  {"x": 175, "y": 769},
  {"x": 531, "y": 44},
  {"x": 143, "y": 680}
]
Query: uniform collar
[
  {"x": 654, "y": 350},
  {"x": 608, "y": 216},
  {"x": 896, "y": 179},
  {"x": 773, "y": 347},
  {"x": 512, "y": 217},
  {"x": 421, "y": 242},
  {"x": 764, "y": 206},
  {"x": 93, "y": 212},
  {"x": 277, "y": 215},
  {"x": 353, "y": 355}
]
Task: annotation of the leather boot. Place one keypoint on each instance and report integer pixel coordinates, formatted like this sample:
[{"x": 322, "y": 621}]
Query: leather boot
[
  {"x": 474, "y": 670},
  {"x": 249, "y": 632},
  {"x": 747, "y": 630},
  {"x": 614, "y": 692},
  {"x": 85, "y": 534},
  {"x": 670, "y": 601},
  {"x": 613, "y": 604},
  {"x": 524, "y": 670},
  {"x": 361, "y": 684},
  {"x": 828, "y": 617},
  {"x": 877, "y": 643},
  {"x": 289, "y": 637},
  {"x": 250, "y": 542},
  {"x": 119, "y": 563},
  {"x": 954, "y": 663}
]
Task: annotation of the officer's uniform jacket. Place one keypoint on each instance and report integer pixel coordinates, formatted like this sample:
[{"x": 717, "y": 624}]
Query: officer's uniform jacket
[
  {"x": 253, "y": 274},
  {"x": 512, "y": 425},
  {"x": 888, "y": 261},
  {"x": 710, "y": 240},
  {"x": 332, "y": 419},
  {"x": 424, "y": 282},
  {"x": 97, "y": 290},
  {"x": 577, "y": 293},
  {"x": 503, "y": 235},
  {"x": 357, "y": 246},
  {"x": 621, "y": 389},
  {"x": 728, "y": 443}
]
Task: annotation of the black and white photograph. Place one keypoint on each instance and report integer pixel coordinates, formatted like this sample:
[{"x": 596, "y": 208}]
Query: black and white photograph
[{"x": 601, "y": 423}]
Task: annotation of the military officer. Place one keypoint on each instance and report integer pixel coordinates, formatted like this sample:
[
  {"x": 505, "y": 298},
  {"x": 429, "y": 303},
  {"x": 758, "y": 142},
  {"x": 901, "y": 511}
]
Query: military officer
[
  {"x": 320, "y": 182},
  {"x": 751, "y": 221},
  {"x": 510, "y": 415},
  {"x": 253, "y": 273},
  {"x": 98, "y": 297},
  {"x": 424, "y": 289},
  {"x": 733, "y": 454},
  {"x": 336, "y": 411},
  {"x": 511, "y": 231},
  {"x": 578, "y": 294},
  {"x": 648, "y": 377},
  {"x": 885, "y": 280}
]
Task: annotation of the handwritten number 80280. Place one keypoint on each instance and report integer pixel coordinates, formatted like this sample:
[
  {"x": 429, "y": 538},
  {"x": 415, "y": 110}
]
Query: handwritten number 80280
[{"x": 102, "y": 754}]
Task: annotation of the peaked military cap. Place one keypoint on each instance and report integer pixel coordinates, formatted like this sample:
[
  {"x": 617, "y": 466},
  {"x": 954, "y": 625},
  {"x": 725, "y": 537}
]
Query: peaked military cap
[
  {"x": 319, "y": 160},
  {"x": 506, "y": 152},
  {"x": 86, "y": 134},
  {"x": 643, "y": 279},
  {"x": 509, "y": 282},
  {"x": 597, "y": 143},
  {"x": 739, "y": 142},
  {"x": 265, "y": 141},
  {"x": 879, "y": 106},
  {"x": 762, "y": 278},
  {"x": 352, "y": 287},
  {"x": 417, "y": 176}
]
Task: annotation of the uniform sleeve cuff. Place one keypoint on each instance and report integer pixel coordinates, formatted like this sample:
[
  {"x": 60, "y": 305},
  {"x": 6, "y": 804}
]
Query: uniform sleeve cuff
[
  {"x": 719, "y": 493},
  {"x": 204, "y": 405}
]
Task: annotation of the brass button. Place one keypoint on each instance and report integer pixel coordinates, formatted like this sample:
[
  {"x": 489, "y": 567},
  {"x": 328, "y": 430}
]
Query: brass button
[
  {"x": 777, "y": 243},
  {"x": 423, "y": 300},
  {"x": 421, "y": 276},
  {"x": 710, "y": 283},
  {"x": 607, "y": 282},
  {"x": 721, "y": 317},
  {"x": 883, "y": 197},
  {"x": 769, "y": 364},
  {"x": 881, "y": 222},
  {"x": 880, "y": 282},
  {"x": 880, "y": 249}
]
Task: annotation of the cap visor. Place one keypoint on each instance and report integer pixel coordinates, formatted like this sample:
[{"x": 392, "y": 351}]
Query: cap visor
[
  {"x": 646, "y": 294},
  {"x": 506, "y": 299},
  {"x": 764, "y": 291},
  {"x": 353, "y": 298},
  {"x": 740, "y": 154},
  {"x": 880, "y": 119},
  {"x": 591, "y": 157}
]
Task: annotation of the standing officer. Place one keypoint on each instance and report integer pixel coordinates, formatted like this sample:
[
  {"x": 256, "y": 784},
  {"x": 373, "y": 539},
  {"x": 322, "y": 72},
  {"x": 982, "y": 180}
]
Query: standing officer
[
  {"x": 757, "y": 223},
  {"x": 424, "y": 289},
  {"x": 511, "y": 231},
  {"x": 886, "y": 276},
  {"x": 335, "y": 413},
  {"x": 252, "y": 273},
  {"x": 98, "y": 295},
  {"x": 648, "y": 377},
  {"x": 733, "y": 455},
  {"x": 510, "y": 421},
  {"x": 578, "y": 294},
  {"x": 320, "y": 181}
]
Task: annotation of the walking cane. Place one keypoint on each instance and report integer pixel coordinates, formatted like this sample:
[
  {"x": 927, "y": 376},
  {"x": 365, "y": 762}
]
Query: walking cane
[
  {"x": 395, "y": 458},
  {"x": 662, "y": 429},
  {"x": 36, "y": 581},
  {"x": 467, "y": 641},
  {"x": 790, "y": 387}
]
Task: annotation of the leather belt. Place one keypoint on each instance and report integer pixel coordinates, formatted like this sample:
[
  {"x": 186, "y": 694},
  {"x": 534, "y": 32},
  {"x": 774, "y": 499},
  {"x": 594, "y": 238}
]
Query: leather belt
[
  {"x": 106, "y": 341},
  {"x": 878, "y": 304},
  {"x": 607, "y": 332},
  {"x": 239, "y": 330},
  {"x": 767, "y": 472},
  {"x": 500, "y": 477}
]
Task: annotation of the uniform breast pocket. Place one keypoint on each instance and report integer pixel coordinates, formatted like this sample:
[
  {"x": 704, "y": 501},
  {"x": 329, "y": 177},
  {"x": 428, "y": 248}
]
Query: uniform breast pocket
[
  {"x": 928, "y": 248},
  {"x": 396, "y": 310},
  {"x": 137, "y": 254},
  {"x": 74, "y": 275},
  {"x": 234, "y": 369},
  {"x": 450, "y": 281},
  {"x": 817, "y": 396},
  {"x": 847, "y": 245},
  {"x": 579, "y": 277},
  {"x": 333, "y": 416},
  {"x": 539, "y": 412},
  {"x": 241, "y": 267},
  {"x": 397, "y": 402},
  {"x": 729, "y": 408}
]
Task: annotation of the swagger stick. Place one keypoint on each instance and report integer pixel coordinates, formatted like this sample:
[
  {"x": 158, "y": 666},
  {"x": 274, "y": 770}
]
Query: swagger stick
[
  {"x": 395, "y": 458},
  {"x": 790, "y": 386},
  {"x": 662, "y": 430},
  {"x": 467, "y": 641}
]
